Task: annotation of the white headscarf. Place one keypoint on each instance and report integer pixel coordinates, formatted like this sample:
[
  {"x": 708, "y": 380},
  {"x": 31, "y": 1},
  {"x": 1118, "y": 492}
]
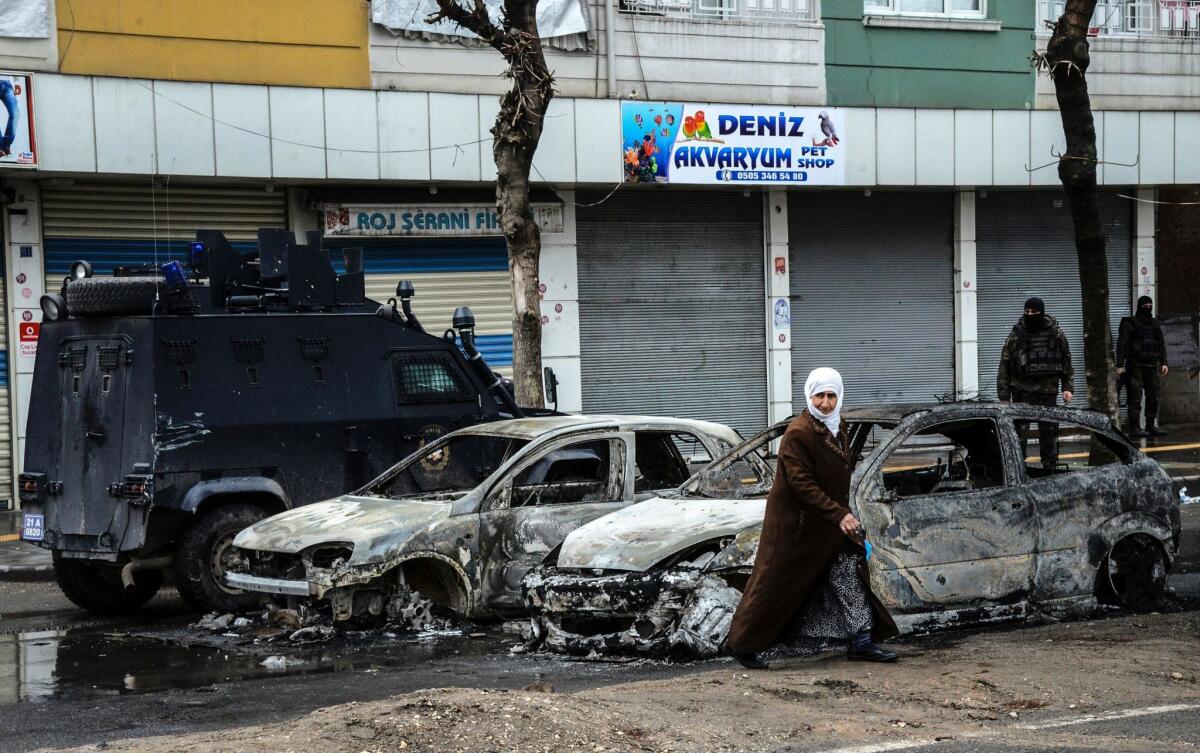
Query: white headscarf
[{"x": 825, "y": 380}]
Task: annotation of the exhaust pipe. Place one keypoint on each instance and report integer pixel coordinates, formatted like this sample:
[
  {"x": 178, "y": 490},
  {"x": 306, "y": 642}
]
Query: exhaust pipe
[
  {"x": 464, "y": 322},
  {"x": 155, "y": 563}
]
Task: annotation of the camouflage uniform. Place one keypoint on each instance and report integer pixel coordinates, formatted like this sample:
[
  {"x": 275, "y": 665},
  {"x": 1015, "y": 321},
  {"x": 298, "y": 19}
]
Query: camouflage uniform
[
  {"x": 1142, "y": 351},
  {"x": 1035, "y": 366}
]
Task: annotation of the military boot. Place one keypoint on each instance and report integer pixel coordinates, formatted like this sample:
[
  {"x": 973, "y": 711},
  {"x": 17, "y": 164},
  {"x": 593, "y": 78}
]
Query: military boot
[
  {"x": 1152, "y": 428},
  {"x": 1134, "y": 427}
]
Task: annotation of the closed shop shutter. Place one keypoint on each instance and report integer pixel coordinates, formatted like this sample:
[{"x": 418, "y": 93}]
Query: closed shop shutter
[
  {"x": 110, "y": 224},
  {"x": 1026, "y": 247},
  {"x": 872, "y": 282},
  {"x": 7, "y": 444},
  {"x": 672, "y": 306},
  {"x": 446, "y": 274}
]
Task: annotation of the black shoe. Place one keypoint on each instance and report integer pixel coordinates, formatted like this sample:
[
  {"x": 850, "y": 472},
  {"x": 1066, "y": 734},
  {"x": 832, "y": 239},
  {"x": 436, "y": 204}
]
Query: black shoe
[
  {"x": 1137, "y": 433},
  {"x": 871, "y": 652},
  {"x": 749, "y": 661},
  {"x": 1153, "y": 430}
]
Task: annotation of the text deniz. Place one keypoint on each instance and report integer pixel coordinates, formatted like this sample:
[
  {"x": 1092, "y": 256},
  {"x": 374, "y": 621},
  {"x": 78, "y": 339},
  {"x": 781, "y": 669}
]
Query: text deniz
[{"x": 760, "y": 125}]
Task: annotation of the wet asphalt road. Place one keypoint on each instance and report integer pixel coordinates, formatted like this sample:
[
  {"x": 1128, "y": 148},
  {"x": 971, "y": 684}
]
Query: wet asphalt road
[{"x": 69, "y": 679}]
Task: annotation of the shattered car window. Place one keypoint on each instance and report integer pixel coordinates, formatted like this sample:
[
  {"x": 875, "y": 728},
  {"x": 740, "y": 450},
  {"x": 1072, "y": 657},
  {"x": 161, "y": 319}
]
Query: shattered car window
[
  {"x": 1079, "y": 448},
  {"x": 659, "y": 462},
  {"x": 456, "y": 465},
  {"x": 957, "y": 456},
  {"x": 575, "y": 474}
]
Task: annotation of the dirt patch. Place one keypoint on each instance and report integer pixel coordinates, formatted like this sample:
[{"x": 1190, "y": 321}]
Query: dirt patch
[{"x": 984, "y": 682}]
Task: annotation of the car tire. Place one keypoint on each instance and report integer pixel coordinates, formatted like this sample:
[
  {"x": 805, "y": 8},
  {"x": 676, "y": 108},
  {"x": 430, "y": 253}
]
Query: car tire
[
  {"x": 105, "y": 296},
  {"x": 1134, "y": 574},
  {"x": 203, "y": 554},
  {"x": 100, "y": 590}
]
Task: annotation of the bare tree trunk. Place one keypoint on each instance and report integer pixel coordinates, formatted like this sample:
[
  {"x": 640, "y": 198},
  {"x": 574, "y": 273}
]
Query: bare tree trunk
[
  {"x": 516, "y": 134},
  {"x": 1067, "y": 60}
]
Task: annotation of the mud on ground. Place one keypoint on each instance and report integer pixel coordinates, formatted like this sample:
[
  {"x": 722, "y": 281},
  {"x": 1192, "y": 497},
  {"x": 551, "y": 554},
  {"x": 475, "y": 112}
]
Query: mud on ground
[{"x": 944, "y": 686}]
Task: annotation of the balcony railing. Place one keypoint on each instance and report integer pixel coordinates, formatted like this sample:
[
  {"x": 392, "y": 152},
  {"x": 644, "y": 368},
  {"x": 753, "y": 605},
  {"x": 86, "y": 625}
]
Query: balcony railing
[
  {"x": 1141, "y": 18},
  {"x": 788, "y": 11}
]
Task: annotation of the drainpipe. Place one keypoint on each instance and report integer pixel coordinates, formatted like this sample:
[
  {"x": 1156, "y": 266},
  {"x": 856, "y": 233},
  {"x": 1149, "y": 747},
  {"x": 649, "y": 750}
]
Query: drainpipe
[{"x": 610, "y": 40}]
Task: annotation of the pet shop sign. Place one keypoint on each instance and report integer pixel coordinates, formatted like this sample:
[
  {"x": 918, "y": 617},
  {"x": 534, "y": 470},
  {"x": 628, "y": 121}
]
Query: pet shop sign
[{"x": 706, "y": 144}]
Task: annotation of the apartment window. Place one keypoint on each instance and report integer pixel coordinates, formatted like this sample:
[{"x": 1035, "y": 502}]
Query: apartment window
[{"x": 928, "y": 7}]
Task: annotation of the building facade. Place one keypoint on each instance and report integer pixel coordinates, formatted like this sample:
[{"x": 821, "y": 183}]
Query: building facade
[{"x": 903, "y": 263}]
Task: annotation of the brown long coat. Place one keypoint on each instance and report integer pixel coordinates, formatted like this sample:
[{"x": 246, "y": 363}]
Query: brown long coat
[{"x": 800, "y": 537}]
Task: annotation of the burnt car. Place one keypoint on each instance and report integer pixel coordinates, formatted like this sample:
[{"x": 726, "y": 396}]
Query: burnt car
[
  {"x": 462, "y": 520},
  {"x": 967, "y": 526}
]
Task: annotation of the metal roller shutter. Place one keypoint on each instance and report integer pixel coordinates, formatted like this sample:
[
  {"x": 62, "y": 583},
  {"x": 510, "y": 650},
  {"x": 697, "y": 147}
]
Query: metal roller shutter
[
  {"x": 1026, "y": 247},
  {"x": 872, "y": 282},
  {"x": 446, "y": 274},
  {"x": 6, "y": 434},
  {"x": 672, "y": 306},
  {"x": 131, "y": 223}
]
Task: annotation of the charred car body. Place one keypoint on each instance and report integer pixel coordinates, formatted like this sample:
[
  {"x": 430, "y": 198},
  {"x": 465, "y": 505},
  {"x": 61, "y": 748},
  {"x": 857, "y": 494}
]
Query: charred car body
[
  {"x": 165, "y": 417},
  {"x": 464, "y": 519},
  {"x": 965, "y": 529}
]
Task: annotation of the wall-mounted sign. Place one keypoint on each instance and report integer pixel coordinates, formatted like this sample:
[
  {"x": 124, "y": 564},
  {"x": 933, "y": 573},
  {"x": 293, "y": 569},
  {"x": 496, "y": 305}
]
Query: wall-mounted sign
[
  {"x": 428, "y": 219},
  {"x": 706, "y": 144},
  {"x": 18, "y": 144}
]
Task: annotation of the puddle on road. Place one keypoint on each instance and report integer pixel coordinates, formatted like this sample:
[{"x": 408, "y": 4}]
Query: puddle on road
[{"x": 83, "y": 663}]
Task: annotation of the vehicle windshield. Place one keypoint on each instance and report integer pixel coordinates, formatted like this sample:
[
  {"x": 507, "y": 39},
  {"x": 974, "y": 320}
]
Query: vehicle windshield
[
  {"x": 745, "y": 472},
  {"x": 748, "y": 470},
  {"x": 449, "y": 467}
]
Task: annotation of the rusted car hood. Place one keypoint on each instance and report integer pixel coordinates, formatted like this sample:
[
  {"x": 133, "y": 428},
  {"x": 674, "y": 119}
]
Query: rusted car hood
[
  {"x": 367, "y": 522},
  {"x": 637, "y": 537}
]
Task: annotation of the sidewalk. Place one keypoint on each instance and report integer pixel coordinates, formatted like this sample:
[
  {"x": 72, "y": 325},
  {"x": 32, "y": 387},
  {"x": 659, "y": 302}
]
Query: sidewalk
[{"x": 1178, "y": 453}]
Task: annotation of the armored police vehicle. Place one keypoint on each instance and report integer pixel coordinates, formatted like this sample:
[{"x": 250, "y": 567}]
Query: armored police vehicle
[{"x": 167, "y": 415}]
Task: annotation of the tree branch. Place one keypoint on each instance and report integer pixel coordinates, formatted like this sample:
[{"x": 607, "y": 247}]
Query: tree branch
[{"x": 476, "y": 20}]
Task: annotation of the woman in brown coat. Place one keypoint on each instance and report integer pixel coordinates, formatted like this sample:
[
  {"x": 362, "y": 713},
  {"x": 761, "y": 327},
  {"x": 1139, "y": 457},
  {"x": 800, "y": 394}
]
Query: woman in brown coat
[{"x": 810, "y": 578}]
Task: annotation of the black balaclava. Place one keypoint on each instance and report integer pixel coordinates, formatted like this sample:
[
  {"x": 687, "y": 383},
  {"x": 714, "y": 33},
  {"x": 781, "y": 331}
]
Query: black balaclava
[
  {"x": 1037, "y": 305},
  {"x": 1145, "y": 301}
]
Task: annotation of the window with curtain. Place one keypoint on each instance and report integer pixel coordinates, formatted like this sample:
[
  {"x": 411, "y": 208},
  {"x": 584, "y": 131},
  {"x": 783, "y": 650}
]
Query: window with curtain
[{"x": 929, "y": 7}]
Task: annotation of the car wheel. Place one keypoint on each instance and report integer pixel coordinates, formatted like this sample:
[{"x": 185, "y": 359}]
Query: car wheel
[
  {"x": 100, "y": 590},
  {"x": 205, "y": 553},
  {"x": 1135, "y": 573}
]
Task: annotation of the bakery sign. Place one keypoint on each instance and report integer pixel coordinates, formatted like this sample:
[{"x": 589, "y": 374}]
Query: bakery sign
[{"x": 390, "y": 220}]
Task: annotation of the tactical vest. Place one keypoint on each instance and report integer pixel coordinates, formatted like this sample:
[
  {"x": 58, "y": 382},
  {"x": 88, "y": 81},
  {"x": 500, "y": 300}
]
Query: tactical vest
[
  {"x": 1040, "y": 354},
  {"x": 1143, "y": 342}
]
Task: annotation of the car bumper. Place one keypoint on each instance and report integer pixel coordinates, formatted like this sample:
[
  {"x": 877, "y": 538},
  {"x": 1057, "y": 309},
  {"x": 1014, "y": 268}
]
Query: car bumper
[
  {"x": 278, "y": 586},
  {"x": 644, "y": 613}
]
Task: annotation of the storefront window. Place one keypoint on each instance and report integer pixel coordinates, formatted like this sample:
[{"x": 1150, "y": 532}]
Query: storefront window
[{"x": 928, "y": 7}]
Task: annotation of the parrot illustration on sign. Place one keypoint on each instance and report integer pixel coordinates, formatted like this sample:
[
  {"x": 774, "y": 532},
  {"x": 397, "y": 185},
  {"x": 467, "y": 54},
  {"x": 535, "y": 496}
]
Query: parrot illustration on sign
[
  {"x": 831, "y": 137},
  {"x": 702, "y": 129}
]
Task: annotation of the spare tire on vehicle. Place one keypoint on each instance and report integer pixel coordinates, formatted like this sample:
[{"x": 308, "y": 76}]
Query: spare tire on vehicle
[{"x": 112, "y": 295}]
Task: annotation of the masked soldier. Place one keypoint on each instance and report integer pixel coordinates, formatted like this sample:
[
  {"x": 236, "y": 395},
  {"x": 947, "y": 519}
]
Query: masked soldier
[
  {"x": 1142, "y": 353},
  {"x": 1036, "y": 360}
]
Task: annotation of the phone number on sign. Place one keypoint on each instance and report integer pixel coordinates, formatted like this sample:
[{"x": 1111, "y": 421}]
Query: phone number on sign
[{"x": 759, "y": 176}]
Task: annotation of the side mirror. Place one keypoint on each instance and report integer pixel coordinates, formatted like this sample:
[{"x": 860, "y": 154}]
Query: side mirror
[
  {"x": 551, "y": 384},
  {"x": 888, "y": 497},
  {"x": 501, "y": 497}
]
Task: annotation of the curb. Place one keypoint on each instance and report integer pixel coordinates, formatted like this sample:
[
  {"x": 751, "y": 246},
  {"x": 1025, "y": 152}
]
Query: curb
[{"x": 26, "y": 573}]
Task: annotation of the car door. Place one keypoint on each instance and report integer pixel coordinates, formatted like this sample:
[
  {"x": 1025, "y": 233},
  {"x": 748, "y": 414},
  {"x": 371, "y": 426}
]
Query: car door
[
  {"x": 1096, "y": 474},
  {"x": 947, "y": 519},
  {"x": 551, "y": 493}
]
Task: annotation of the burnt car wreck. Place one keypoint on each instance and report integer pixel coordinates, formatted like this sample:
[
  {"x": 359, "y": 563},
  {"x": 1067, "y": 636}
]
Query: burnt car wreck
[
  {"x": 968, "y": 526},
  {"x": 462, "y": 520}
]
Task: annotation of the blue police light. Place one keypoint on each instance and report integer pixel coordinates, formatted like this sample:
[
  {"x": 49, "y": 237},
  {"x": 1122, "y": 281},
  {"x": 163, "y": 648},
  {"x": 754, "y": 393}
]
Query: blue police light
[
  {"x": 175, "y": 276},
  {"x": 197, "y": 254}
]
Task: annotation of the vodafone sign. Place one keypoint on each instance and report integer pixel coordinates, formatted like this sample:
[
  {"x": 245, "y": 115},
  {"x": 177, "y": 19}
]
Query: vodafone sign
[{"x": 28, "y": 338}]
